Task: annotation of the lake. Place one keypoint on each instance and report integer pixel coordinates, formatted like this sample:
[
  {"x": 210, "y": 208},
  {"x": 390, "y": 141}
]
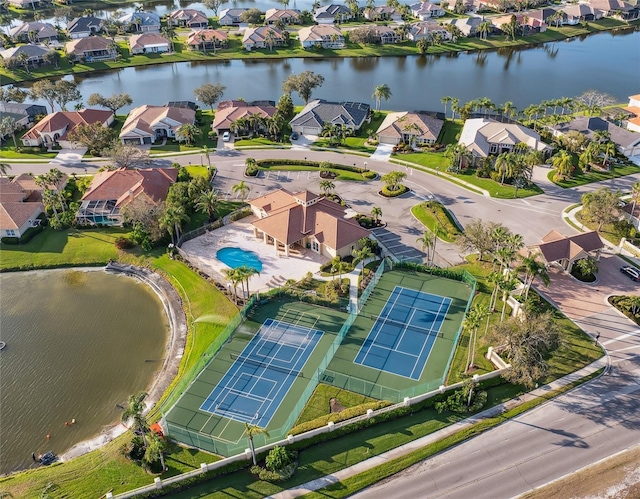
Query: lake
[
  {"x": 608, "y": 62},
  {"x": 78, "y": 344}
]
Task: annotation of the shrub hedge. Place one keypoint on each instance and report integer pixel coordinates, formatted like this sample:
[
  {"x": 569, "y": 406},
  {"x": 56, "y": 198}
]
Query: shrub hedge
[
  {"x": 267, "y": 163},
  {"x": 26, "y": 237},
  {"x": 386, "y": 192}
]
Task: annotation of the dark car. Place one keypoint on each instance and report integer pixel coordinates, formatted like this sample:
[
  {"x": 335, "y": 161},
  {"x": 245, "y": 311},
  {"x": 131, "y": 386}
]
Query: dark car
[
  {"x": 631, "y": 273},
  {"x": 294, "y": 136}
]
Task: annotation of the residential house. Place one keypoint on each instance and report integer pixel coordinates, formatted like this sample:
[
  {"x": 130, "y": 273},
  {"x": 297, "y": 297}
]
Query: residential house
[
  {"x": 149, "y": 43},
  {"x": 37, "y": 55},
  {"x": 141, "y": 22},
  {"x": 207, "y": 39},
  {"x": 91, "y": 49},
  {"x": 82, "y": 27},
  {"x": 304, "y": 220},
  {"x": 287, "y": 16},
  {"x": 24, "y": 4},
  {"x": 35, "y": 31},
  {"x": 112, "y": 190},
  {"x": 543, "y": 15},
  {"x": 529, "y": 24},
  {"x": 617, "y": 8},
  {"x": 230, "y": 112},
  {"x": 188, "y": 18},
  {"x": 627, "y": 142},
  {"x": 468, "y": 26},
  {"x": 426, "y": 10},
  {"x": 411, "y": 128},
  {"x": 564, "y": 251},
  {"x": 23, "y": 114},
  {"x": 381, "y": 34},
  {"x": 576, "y": 13},
  {"x": 146, "y": 124},
  {"x": 316, "y": 113},
  {"x": 54, "y": 128},
  {"x": 330, "y": 14},
  {"x": 631, "y": 213},
  {"x": 427, "y": 29},
  {"x": 484, "y": 137},
  {"x": 323, "y": 35},
  {"x": 262, "y": 37},
  {"x": 19, "y": 208},
  {"x": 633, "y": 123},
  {"x": 230, "y": 17},
  {"x": 382, "y": 13}
]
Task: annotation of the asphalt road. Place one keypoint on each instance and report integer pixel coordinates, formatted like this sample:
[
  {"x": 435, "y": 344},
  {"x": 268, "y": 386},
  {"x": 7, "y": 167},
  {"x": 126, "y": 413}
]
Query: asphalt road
[{"x": 559, "y": 437}]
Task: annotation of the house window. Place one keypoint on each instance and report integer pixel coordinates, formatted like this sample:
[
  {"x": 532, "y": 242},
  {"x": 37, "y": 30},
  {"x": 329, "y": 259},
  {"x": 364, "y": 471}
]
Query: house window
[
  {"x": 493, "y": 149},
  {"x": 315, "y": 246},
  {"x": 11, "y": 233}
]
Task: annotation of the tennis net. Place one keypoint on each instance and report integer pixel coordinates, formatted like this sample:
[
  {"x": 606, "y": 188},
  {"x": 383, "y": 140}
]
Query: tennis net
[{"x": 257, "y": 363}]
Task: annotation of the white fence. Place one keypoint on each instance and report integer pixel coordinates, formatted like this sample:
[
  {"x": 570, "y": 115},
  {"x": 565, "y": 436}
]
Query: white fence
[{"x": 331, "y": 426}]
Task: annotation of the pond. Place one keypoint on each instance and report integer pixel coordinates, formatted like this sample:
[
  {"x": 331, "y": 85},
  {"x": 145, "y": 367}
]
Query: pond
[{"x": 78, "y": 345}]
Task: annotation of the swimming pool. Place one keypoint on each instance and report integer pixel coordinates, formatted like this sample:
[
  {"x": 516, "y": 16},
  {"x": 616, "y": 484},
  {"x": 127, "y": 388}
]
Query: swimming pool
[{"x": 237, "y": 257}]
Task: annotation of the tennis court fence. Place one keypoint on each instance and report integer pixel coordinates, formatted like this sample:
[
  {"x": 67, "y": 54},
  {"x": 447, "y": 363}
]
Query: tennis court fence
[{"x": 224, "y": 448}]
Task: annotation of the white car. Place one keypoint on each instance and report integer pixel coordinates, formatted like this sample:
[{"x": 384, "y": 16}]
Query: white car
[{"x": 226, "y": 137}]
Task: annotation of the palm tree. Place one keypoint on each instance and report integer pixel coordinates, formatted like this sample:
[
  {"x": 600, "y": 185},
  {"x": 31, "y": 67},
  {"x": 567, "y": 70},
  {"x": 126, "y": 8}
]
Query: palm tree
[
  {"x": 381, "y": 92},
  {"x": 484, "y": 29},
  {"x": 428, "y": 244},
  {"x": 471, "y": 323},
  {"x": 327, "y": 186},
  {"x": 505, "y": 164},
  {"x": 234, "y": 278},
  {"x": 609, "y": 149},
  {"x": 361, "y": 255},
  {"x": 635, "y": 193},
  {"x": 532, "y": 269},
  {"x": 446, "y": 100},
  {"x": 507, "y": 284},
  {"x": 189, "y": 132},
  {"x": 133, "y": 411},
  {"x": 207, "y": 202},
  {"x": 9, "y": 125},
  {"x": 156, "y": 446},
  {"x": 376, "y": 212},
  {"x": 251, "y": 431},
  {"x": 563, "y": 162},
  {"x": 245, "y": 273},
  {"x": 4, "y": 167},
  {"x": 172, "y": 220},
  {"x": 242, "y": 188}
]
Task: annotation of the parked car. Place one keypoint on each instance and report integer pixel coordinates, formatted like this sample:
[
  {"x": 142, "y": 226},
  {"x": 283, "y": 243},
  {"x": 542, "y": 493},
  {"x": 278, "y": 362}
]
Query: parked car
[
  {"x": 631, "y": 272},
  {"x": 226, "y": 137},
  {"x": 294, "y": 136}
]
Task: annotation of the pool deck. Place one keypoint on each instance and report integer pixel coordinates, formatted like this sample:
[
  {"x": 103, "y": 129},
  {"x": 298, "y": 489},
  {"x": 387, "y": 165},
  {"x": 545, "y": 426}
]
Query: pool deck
[{"x": 276, "y": 269}]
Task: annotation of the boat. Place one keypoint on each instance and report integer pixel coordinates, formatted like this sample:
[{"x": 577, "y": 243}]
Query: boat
[
  {"x": 2, "y": 345},
  {"x": 47, "y": 458}
]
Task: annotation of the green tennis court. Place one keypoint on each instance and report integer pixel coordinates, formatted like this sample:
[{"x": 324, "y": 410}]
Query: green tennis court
[
  {"x": 188, "y": 423},
  {"x": 344, "y": 372}
]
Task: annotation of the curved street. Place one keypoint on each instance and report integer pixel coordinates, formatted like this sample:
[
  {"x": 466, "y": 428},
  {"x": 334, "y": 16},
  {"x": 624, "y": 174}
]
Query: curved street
[{"x": 587, "y": 424}]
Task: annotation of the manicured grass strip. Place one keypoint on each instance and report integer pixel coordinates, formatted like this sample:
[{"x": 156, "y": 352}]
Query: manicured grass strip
[
  {"x": 435, "y": 217},
  {"x": 374, "y": 475},
  {"x": 582, "y": 178},
  {"x": 340, "y": 174},
  {"x": 318, "y": 404},
  {"x": 63, "y": 248}
]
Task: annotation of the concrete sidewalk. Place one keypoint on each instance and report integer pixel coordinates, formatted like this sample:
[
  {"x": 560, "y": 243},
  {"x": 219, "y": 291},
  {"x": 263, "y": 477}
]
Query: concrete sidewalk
[{"x": 419, "y": 443}]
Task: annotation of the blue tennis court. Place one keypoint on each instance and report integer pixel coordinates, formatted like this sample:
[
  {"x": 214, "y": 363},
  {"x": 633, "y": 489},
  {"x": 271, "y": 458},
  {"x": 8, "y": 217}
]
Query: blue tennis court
[
  {"x": 256, "y": 383},
  {"x": 404, "y": 333}
]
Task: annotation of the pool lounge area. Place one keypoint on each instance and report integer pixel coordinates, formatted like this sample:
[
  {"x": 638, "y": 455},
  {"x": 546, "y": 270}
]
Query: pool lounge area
[{"x": 276, "y": 269}]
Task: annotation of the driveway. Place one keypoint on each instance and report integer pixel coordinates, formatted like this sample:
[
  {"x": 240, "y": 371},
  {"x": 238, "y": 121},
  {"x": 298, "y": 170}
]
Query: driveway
[{"x": 69, "y": 156}]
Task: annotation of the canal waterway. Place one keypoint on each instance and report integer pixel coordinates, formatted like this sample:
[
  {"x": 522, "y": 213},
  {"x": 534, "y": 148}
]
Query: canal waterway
[
  {"x": 78, "y": 344},
  {"x": 608, "y": 62}
]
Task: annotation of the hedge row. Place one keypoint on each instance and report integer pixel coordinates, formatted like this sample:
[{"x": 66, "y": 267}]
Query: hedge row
[
  {"x": 267, "y": 163},
  {"x": 26, "y": 237},
  {"x": 392, "y": 194},
  {"x": 336, "y": 417}
]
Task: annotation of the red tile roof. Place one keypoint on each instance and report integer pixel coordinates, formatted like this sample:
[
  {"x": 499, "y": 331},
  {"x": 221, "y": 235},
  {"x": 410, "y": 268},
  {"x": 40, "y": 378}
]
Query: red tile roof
[{"x": 69, "y": 119}]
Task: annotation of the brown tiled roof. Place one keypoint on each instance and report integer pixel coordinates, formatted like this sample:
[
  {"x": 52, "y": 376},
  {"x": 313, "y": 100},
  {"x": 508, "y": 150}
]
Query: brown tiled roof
[
  {"x": 145, "y": 117},
  {"x": 14, "y": 214},
  {"x": 556, "y": 246},
  {"x": 209, "y": 35},
  {"x": 124, "y": 184},
  {"x": 288, "y": 221},
  {"x": 70, "y": 119},
  {"x": 89, "y": 43},
  {"x": 397, "y": 124},
  {"x": 230, "y": 111},
  {"x": 10, "y": 192},
  {"x": 143, "y": 39}
]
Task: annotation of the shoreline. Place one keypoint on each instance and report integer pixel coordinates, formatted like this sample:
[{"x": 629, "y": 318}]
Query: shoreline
[
  {"x": 174, "y": 348},
  {"x": 494, "y": 44}
]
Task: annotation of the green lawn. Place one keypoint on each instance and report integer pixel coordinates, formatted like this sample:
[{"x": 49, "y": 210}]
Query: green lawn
[
  {"x": 318, "y": 404},
  {"x": 341, "y": 174},
  {"x": 70, "y": 247},
  {"x": 259, "y": 141},
  {"x": 437, "y": 219},
  {"x": 582, "y": 178}
]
